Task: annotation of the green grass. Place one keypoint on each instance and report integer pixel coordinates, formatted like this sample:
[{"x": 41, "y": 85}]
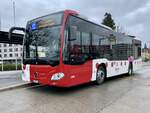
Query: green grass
[
  {"x": 9, "y": 67},
  {"x": 146, "y": 60}
]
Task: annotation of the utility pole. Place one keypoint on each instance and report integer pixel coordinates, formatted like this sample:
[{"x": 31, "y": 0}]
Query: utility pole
[
  {"x": 0, "y": 22},
  {"x": 14, "y": 18},
  {"x": 1, "y": 51},
  {"x": 149, "y": 49},
  {"x": 14, "y": 13},
  {"x": 117, "y": 28},
  {"x": 2, "y": 63}
]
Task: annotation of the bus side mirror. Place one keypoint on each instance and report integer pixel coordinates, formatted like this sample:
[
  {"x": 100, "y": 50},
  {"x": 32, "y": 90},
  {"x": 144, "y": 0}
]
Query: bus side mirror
[
  {"x": 72, "y": 33},
  {"x": 13, "y": 29}
]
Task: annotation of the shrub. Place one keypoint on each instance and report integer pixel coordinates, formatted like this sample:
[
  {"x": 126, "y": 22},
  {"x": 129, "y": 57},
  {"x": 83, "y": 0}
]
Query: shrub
[
  {"x": 9, "y": 67},
  {"x": 146, "y": 60}
]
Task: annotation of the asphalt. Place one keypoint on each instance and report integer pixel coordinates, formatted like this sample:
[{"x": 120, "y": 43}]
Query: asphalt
[{"x": 122, "y": 94}]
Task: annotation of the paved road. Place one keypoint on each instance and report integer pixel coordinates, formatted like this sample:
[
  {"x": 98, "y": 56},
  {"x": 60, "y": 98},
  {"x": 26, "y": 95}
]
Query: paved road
[
  {"x": 8, "y": 78},
  {"x": 124, "y": 94}
]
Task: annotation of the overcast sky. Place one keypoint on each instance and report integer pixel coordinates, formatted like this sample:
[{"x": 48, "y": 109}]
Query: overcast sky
[{"x": 133, "y": 16}]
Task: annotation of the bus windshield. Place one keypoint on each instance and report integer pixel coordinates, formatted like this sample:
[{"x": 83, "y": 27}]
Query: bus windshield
[{"x": 42, "y": 42}]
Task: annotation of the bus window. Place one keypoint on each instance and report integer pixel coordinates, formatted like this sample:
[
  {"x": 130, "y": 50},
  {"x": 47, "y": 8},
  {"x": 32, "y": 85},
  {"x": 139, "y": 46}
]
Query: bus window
[
  {"x": 77, "y": 49},
  {"x": 86, "y": 45},
  {"x": 95, "y": 45}
]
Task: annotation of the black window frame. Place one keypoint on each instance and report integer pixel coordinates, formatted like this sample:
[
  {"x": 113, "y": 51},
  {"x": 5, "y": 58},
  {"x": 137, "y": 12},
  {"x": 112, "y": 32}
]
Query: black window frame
[{"x": 110, "y": 49}]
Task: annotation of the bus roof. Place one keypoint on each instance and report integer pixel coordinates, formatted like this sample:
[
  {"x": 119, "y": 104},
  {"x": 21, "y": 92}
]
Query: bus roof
[
  {"x": 75, "y": 13},
  {"x": 85, "y": 18},
  {"x": 67, "y": 10}
]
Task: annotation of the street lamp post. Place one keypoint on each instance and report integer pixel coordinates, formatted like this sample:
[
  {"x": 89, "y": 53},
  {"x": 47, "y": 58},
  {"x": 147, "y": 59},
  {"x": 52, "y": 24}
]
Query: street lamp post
[
  {"x": 149, "y": 50},
  {"x": 2, "y": 64},
  {"x": 16, "y": 63},
  {"x": 0, "y": 22},
  {"x": 14, "y": 12}
]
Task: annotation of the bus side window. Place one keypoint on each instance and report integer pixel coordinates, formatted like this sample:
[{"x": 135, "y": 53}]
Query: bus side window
[
  {"x": 86, "y": 45},
  {"x": 105, "y": 48},
  {"x": 75, "y": 45},
  {"x": 75, "y": 51},
  {"x": 66, "y": 44},
  {"x": 96, "y": 40}
]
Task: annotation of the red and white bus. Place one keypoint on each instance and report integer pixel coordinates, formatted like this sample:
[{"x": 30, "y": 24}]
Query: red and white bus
[{"x": 63, "y": 49}]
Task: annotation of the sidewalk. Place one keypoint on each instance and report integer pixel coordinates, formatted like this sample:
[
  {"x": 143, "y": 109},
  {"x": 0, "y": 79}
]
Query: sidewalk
[
  {"x": 11, "y": 79},
  {"x": 146, "y": 63}
]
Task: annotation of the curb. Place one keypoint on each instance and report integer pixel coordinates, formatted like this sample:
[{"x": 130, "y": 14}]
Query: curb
[{"x": 16, "y": 86}]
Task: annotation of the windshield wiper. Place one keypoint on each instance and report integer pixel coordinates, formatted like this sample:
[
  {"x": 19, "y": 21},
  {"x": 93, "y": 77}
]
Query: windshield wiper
[
  {"x": 29, "y": 61},
  {"x": 47, "y": 62},
  {"x": 40, "y": 61}
]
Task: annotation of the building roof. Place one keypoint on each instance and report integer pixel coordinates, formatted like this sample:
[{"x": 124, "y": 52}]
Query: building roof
[{"x": 16, "y": 38}]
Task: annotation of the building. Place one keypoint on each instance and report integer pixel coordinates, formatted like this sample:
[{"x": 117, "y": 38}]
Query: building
[
  {"x": 10, "y": 50},
  {"x": 9, "y": 53},
  {"x": 145, "y": 53}
]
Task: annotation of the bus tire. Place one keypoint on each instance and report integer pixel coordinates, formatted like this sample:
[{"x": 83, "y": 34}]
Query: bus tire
[
  {"x": 100, "y": 75},
  {"x": 130, "y": 70}
]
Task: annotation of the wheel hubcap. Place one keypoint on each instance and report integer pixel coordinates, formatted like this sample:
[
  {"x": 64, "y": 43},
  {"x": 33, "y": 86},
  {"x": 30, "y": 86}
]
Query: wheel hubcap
[{"x": 100, "y": 75}]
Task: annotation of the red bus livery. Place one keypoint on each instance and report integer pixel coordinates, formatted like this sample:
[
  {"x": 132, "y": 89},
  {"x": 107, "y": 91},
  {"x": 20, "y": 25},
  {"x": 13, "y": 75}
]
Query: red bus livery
[{"x": 63, "y": 49}]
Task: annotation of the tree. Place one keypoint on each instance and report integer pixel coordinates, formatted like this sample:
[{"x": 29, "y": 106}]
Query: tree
[{"x": 108, "y": 21}]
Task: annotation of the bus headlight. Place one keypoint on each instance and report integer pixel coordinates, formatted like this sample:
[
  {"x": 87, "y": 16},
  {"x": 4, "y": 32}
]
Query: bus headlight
[{"x": 57, "y": 76}]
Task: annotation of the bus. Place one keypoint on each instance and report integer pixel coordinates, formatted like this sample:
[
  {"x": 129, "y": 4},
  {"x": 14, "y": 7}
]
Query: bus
[{"x": 64, "y": 49}]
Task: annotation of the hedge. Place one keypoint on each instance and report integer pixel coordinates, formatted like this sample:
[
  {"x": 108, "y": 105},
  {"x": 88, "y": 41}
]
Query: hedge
[{"x": 9, "y": 67}]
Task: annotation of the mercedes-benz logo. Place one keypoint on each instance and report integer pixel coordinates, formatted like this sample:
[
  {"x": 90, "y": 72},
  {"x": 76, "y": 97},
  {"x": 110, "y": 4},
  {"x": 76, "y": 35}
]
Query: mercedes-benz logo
[{"x": 36, "y": 74}]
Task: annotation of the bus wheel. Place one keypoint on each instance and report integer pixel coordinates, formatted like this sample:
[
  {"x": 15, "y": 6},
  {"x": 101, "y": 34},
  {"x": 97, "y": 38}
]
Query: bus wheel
[
  {"x": 130, "y": 70},
  {"x": 100, "y": 75}
]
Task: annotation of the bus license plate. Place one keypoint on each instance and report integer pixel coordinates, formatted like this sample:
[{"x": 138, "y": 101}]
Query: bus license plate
[{"x": 35, "y": 81}]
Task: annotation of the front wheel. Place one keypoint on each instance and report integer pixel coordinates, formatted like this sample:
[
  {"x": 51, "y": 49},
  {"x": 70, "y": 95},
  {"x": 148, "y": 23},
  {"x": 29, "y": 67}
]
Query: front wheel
[{"x": 100, "y": 75}]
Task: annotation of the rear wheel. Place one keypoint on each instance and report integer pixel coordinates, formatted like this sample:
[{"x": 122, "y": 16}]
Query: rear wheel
[{"x": 100, "y": 75}]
